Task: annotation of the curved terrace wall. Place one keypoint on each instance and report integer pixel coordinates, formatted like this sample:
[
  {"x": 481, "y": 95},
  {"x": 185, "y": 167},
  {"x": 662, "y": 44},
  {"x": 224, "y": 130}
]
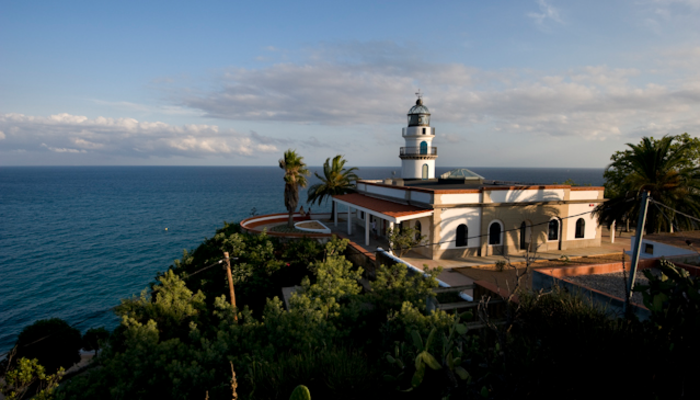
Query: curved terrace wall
[{"x": 251, "y": 224}]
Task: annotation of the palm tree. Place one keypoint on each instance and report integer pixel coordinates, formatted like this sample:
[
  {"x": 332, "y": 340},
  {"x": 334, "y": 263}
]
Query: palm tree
[
  {"x": 661, "y": 168},
  {"x": 295, "y": 174},
  {"x": 335, "y": 180}
]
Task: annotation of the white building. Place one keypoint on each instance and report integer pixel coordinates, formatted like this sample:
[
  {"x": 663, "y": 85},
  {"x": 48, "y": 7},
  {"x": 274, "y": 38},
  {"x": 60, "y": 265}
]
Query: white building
[{"x": 462, "y": 213}]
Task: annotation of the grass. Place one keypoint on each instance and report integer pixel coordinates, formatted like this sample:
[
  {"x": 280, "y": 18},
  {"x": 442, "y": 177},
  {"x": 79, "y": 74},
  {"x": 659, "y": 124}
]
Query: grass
[{"x": 286, "y": 229}]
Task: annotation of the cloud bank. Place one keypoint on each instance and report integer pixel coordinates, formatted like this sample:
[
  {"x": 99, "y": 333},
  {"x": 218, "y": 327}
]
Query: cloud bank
[
  {"x": 75, "y": 134},
  {"x": 355, "y": 86},
  {"x": 354, "y": 96}
]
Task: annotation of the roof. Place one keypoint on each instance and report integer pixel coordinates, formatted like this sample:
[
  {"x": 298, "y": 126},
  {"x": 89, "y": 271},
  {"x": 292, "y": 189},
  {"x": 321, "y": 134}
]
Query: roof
[
  {"x": 462, "y": 173},
  {"x": 396, "y": 211},
  {"x": 678, "y": 239},
  {"x": 419, "y": 108},
  {"x": 472, "y": 186}
]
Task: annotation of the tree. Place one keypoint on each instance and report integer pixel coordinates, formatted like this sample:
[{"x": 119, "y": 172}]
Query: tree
[
  {"x": 667, "y": 168},
  {"x": 616, "y": 173},
  {"x": 403, "y": 240},
  {"x": 335, "y": 180},
  {"x": 27, "y": 375},
  {"x": 94, "y": 337},
  {"x": 52, "y": 341},
  {"x": 295, "y": 174}
]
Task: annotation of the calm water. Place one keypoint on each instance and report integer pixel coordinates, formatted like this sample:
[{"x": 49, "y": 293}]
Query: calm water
[{"x": 75, "y": 240}]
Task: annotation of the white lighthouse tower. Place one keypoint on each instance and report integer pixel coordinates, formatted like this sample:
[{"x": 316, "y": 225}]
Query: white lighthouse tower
[{"x": 418, "y": 156}]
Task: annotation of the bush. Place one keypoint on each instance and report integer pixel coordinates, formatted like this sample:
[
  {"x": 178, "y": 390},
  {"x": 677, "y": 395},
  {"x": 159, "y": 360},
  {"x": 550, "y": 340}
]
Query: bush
[
  {"x": 52, "y": 341},
  {"x": 94, "y": 339}
]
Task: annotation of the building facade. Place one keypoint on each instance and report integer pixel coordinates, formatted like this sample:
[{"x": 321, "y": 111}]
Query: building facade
[{"x": 462, "y": 214}]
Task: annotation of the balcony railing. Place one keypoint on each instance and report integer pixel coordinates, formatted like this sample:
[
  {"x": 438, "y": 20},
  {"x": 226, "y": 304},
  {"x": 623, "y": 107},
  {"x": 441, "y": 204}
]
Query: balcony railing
[{"x": 418, "y": 151}]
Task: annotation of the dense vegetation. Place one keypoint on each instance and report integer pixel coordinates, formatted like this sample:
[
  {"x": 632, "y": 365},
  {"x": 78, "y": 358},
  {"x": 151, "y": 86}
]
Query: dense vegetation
[{"x": 181, "y": 338}]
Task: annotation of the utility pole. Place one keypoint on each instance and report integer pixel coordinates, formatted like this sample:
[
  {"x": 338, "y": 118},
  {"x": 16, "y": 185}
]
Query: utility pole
[
  {"x": 230, "y": 283},
  {"x": 637, "y": 248}
]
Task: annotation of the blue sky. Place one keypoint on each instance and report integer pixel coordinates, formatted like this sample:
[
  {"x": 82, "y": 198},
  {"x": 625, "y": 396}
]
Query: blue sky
[{"x": 540, "y": 83}]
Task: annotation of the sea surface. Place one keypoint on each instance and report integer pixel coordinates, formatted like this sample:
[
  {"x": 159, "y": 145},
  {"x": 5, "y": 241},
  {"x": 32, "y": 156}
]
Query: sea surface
[{"x": 76, "y": 240}]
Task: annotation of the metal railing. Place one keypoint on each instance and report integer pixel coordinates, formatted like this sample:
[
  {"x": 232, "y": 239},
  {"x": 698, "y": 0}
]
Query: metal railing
[{"x": 418, "y": 151}]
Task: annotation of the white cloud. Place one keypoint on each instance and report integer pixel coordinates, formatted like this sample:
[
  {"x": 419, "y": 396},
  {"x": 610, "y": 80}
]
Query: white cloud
[
  {"x": 62, "y": 150},
  {"x": 449, "y": 138},
  {"x": 75, "y": 134},
  {"x": 547, "y": 13},
  {"x": 2, "y": 135},
  {"x": 693, "y": 4},
  {"x": 594, "y": 102},
  {"x": 672, "y": 18},
  {"x": 357, "y": 95},
  {"x": 149, "y": 109}
]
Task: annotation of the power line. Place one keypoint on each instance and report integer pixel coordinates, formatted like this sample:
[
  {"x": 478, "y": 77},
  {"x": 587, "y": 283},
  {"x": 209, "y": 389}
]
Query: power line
[
  {"x": 203, "y": 269},
  {"x": 674, "y": 210}
]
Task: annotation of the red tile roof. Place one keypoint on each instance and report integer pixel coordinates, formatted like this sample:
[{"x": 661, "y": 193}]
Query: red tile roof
[{"x": 389, "y": 208}]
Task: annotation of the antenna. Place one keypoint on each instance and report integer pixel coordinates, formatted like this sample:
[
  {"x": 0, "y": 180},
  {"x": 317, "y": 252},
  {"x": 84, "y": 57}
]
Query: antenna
[{"x": 419, "y": 94}]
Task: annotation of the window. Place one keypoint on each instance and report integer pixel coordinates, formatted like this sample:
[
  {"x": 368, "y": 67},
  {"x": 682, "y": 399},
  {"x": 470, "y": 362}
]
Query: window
[
  {"x": 553, "y": 230},
  {"x": 462, "y": 234},
  {"x": 523, "y": 236},
  {"x": 424, "y": 147},
  {"x": 362, "y": 215},
  {"x": 580, "y": 228},
  {"x": 419, "y": 230},
  {"x": 424, "y": 131},
  {"x": 425, "y": 171},
  {"x": 649, "y": 248},
  {"x": 495, "y": 233}
]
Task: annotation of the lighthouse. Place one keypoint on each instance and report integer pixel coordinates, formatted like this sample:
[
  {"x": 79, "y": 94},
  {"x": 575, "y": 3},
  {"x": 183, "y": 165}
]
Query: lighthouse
[{"x": 418, "y": 156}]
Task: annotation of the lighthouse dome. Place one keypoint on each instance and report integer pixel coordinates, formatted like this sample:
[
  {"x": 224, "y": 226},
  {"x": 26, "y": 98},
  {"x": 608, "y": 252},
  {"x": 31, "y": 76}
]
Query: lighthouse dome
[{"x": 419, "y": 115}]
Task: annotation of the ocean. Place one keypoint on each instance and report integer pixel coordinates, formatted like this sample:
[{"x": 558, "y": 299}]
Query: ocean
[{"x": 76, "y": 240}]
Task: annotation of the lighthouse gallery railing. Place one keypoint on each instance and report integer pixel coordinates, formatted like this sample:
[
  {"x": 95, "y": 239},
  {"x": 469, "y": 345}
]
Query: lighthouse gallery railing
[{"x": 418, "y": 151}]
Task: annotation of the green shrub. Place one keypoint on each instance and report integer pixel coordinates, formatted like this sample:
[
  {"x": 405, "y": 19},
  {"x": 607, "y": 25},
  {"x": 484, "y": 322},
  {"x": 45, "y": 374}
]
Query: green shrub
[
  {"x": 51, "y": 341},
  {"x": 95, "y": 338},
  {"x": 331, "y": 372}
]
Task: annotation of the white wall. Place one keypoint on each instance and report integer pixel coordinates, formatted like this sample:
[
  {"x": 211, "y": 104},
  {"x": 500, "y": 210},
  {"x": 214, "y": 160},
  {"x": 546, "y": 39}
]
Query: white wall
[
  {"x": 413, "y": 169},
  {"x": 591, "y": 222},
  {"x": 460, "y": 198},
  {"x": 425, "y": 226},
  {"x": 660, "y": 249},
  {"x": 451, "y": 218},
  {"x": 385, "y": 191},
  {"x": 418, "y": 131},
  {"x": 415, "y": 142},
  {"x": 584, "y": 195},
  {"x": 515, "y": 196}
]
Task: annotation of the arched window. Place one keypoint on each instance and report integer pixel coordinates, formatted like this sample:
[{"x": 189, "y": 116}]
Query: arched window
[
  {"x": 462, "y": 234},
  {"x": 553, "y": 230},
  {"x": 580, "y": 228},
  {"x": 424, "y": 147},
  {"x": 495, "y": 233},
  {"x": 424, "y": 131},
  {"x": 419, "y": 230},
  {"x": 425, "y": 171}
]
